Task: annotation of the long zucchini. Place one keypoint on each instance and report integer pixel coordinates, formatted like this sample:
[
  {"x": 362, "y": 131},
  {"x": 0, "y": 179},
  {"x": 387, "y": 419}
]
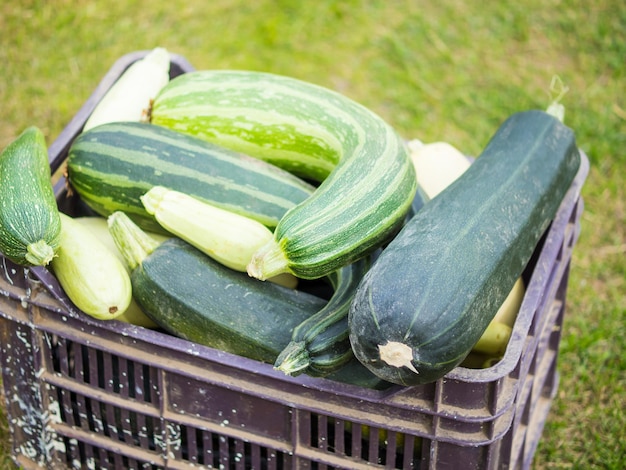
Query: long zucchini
[
  {"x": 368, "y": 181},
  {"x": 130, "y": 97},
  {"x": 434, "y": 289},
  {"x": 225, "y": 236},
  {"x": 196, "y": 298},
  {"x": 437, "y": 165},
  {"x": 111, "y": 166}
]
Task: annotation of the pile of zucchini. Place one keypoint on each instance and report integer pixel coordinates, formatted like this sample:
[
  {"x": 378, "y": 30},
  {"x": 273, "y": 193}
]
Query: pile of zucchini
[{"x": 281, "y": 221}]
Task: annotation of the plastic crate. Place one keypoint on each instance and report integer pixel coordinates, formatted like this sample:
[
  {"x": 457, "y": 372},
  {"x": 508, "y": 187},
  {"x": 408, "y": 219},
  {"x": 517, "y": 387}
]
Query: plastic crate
[{"x": 82, "y": 393}]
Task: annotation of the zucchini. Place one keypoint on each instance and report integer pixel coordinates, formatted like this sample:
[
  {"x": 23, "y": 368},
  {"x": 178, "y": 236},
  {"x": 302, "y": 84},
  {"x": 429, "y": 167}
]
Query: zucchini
[
  {"x": 432, "y": 292},
  {"x": 196, "y": 298},
  {"x": 30, "y": 226},
  {"x": 130, "y": 97},
  {"x": 225, "y": 236},
  {"x": 99, "y": 227},
  {"x": 437, "y": 166},
  {"x": 320, "y": 344},
  {"x": 93, "y": 278},
  {"x": 228, "y": 238},
  {"x": 494, "y": 339},
  {"x": 111, "y": 166},
  {"x": 367, "y": 179},
  {"x": 507, "y": 313}
]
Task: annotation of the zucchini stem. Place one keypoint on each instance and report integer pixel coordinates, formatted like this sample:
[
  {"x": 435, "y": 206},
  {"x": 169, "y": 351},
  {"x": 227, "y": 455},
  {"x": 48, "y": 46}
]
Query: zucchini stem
[
  {"x": 294, "y": 359},
  {"x": 134, "y": 244},
  {"x": 555, "y": 108},
  {"x": 39, "y": 253},
  {"x": 268, "y": 261}
]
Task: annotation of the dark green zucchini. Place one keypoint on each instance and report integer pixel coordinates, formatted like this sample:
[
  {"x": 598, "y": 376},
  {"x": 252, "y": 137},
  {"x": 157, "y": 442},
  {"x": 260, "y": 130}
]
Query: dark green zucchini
[
  {"x": 111, "y": 166},
  {"x": 196, "y": 298},
  {"x": 320, "y": 344},
  {"x": 434, "y": 289}
]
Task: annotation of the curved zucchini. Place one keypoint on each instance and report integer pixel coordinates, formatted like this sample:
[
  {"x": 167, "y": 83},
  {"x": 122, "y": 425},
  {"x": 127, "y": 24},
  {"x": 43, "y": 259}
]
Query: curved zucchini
[
  {"x": 434, "y": 289},
  {"x": 89, "y": 273},
  {"x": 368, "y": 181},
  {"x": 196, "y": 298},
  {"x": 320, "y": 345},
  {"x": 111, "y": 166},
  {"x": 30, "y": 226}
]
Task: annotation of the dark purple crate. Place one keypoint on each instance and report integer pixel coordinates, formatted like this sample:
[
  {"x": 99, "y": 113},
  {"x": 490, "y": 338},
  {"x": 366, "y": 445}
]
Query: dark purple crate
[{"x": 83, "y": 393}]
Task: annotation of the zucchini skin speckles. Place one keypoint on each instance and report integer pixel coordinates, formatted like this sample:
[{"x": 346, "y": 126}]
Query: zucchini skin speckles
[{"x": 30, "y": 226}]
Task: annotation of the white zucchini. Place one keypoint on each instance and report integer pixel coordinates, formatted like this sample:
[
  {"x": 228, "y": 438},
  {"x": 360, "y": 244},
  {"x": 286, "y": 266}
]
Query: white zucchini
[
  {"x": 99, "y": 227},
  {"x": 92, "y": 277},
  {"x": 494, "y": 340},
  {"x": 225, "y": 236},
  {"x": 130, "y": 97},
  {"x": 437, "y": 165}
]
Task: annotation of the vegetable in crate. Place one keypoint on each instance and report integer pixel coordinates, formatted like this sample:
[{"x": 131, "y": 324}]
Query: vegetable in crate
[
  {"x": 228, "y": 238},
  {"x": 30, "y": 226},
  {"x": 100, "y": 228},
  {"x": 320, "y": 345},
  {"x": 130, "y": 97},
  {"x": 434, "y": 289},
  {"x": 368, "y": 181},
  {"x": 113, "y": 165},
  {"x": 196, "y": 298},
  {"x": 437, "y": 165},
  {"x": 89, "y": 273}
]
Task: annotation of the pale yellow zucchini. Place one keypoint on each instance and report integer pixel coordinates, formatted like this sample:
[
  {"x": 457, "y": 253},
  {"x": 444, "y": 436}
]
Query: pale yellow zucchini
[
  {"x": 99, "y": 226},
  {"x": 494, "y": 340},
  {"x": 507, "y": 313},
  {"x": 437, "y": 165},
  {"x": 93, "y": 279},
  {"x": 130, "y": 97},
  {"x": 228, "y": 238}
]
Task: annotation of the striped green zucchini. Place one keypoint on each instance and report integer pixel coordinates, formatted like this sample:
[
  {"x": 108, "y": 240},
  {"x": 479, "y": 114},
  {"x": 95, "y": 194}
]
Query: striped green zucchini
[
  {"x": 111, "y": 166},
  {"x": 320, "y": 345},
  {"x": 368, "y": 180}
]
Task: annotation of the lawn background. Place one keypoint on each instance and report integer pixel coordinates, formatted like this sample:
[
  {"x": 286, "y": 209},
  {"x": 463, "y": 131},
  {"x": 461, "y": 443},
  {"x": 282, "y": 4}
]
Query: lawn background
[{"x": 445, "y": 70}]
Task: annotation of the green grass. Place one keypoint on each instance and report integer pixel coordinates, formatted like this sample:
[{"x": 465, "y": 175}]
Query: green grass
[{"x": 447, "y": 70}]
